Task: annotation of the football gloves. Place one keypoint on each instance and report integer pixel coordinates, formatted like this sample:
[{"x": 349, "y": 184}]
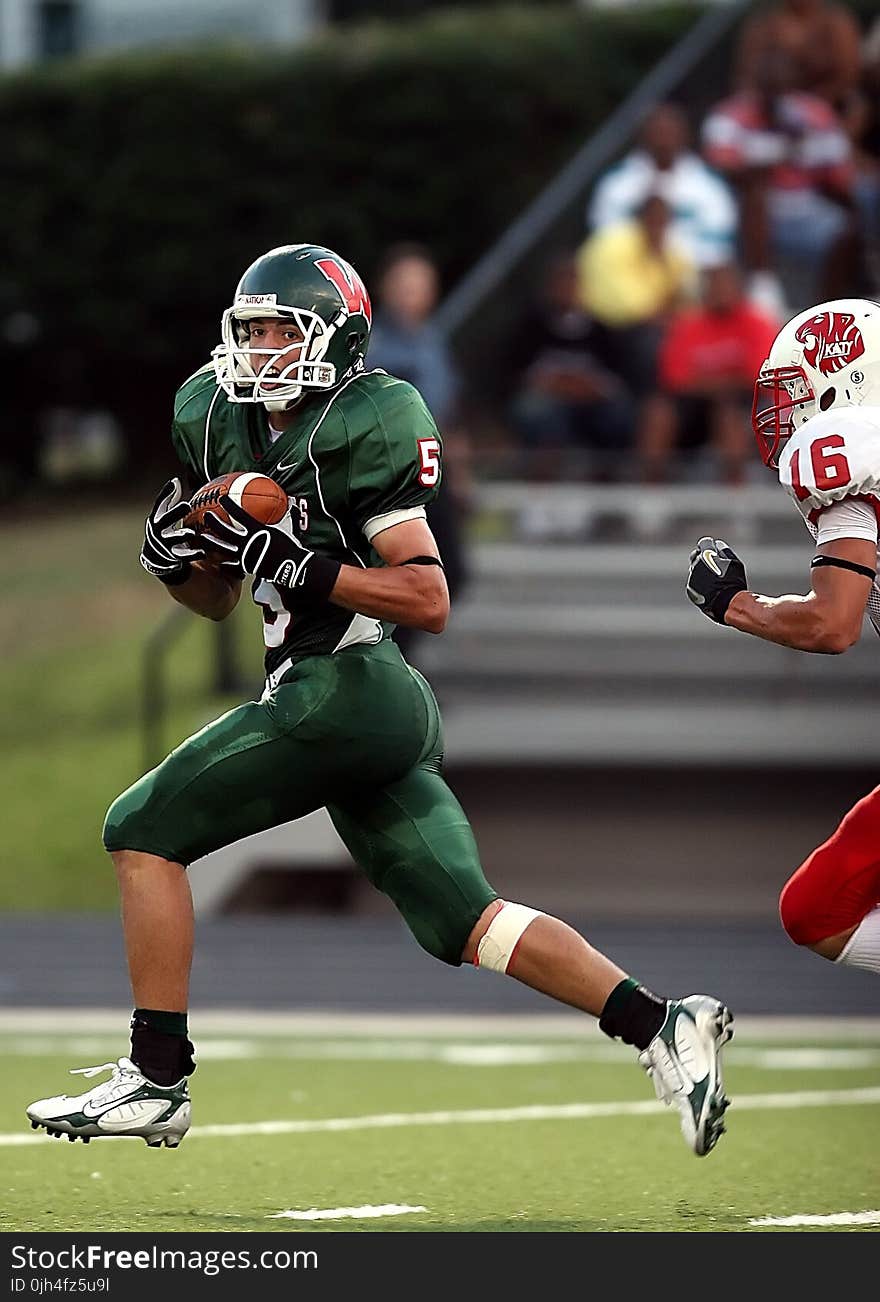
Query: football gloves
[
  {"x": 716, "y": 575},
  {"x": 245, "y": 546},
  {"x": 169, "y": 546}
]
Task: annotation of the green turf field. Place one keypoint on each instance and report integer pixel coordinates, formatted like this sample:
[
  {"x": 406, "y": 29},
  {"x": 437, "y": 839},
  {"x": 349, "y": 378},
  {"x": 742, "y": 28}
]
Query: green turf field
[
  {"x": 76, "y": 614},
  {"x": 524, "y": 1131}
]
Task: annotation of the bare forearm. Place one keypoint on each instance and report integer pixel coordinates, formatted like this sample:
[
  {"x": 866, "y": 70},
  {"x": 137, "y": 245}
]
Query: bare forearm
[
  {"x": 414, "y": 596},
  {"x": 207, "y": 592},
  {"x": 791, "y": 621}
]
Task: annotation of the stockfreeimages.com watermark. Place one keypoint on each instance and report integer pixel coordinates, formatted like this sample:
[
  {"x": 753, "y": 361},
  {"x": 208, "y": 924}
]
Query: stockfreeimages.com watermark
[{"x": 211, "y": 1261}]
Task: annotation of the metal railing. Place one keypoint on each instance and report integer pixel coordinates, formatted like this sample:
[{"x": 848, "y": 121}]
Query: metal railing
[{"x": 154, "y": 692}]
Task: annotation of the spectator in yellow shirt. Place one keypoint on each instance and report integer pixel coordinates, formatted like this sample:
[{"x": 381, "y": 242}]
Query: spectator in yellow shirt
[{"x": 632, "y": 275}]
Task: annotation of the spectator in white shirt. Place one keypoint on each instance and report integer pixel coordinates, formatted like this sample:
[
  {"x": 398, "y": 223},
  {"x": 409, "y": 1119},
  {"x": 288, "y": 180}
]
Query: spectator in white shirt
[{"x": 703, "y": 208}]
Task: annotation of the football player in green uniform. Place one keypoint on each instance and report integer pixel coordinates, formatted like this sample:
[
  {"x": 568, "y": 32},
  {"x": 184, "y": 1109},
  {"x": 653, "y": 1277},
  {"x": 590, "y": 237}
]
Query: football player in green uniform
[{"x": 343, "y": 721}]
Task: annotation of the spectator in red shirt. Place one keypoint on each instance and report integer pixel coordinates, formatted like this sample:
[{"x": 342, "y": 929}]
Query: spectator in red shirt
[
  {"x": 792, "y": 164},
  {"x": 709, "y": 357}
]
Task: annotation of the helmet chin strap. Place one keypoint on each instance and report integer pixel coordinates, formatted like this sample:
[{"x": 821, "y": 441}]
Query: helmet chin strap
[{"x": 280, "y": 404}]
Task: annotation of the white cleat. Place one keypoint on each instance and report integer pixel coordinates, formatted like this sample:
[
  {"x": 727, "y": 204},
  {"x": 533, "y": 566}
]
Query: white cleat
[
  {"x": 126, "y": 1104},
  {"x": 684, "y": 1062}
]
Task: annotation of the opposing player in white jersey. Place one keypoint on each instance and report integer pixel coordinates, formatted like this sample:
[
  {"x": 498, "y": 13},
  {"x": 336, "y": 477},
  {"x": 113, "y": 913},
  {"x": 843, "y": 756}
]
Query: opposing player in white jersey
[{"x": 816, "y": 417}]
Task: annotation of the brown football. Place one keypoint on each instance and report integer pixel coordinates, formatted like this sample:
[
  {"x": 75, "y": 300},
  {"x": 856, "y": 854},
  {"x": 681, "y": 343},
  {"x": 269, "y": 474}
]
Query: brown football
[{"x": 257, "y": 494}]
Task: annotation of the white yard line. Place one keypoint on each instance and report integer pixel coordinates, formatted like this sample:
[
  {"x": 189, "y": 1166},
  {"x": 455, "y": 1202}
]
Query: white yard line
[
  {"x": 834, "y": 1218},
  {"x": 483, "y": 1116},
  {"x": 346, "y": 1213},
  {"x": 245, "y": 1022}
]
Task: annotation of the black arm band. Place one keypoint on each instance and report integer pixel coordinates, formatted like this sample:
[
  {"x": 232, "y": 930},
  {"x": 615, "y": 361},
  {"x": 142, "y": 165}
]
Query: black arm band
[
  {"x": 423, "y": 560},
  {"x": 843, "y": 565}
]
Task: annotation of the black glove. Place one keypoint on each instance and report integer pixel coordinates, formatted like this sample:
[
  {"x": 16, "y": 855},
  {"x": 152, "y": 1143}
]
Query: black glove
[
  {"x": 715, "y": 577},
  {"x": 169, "y": 546},
  {"x": 244, "y": 546}
]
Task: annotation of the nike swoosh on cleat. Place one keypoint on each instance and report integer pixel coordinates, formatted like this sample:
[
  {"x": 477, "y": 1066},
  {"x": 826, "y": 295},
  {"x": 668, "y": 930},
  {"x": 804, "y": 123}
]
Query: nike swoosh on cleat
[
  {"x": 126, "y": 1116},
  {"x": 91, "y": 1109}
]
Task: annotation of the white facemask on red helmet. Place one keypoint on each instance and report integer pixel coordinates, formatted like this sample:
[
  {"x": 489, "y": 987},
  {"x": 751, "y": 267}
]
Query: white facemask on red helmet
[{"x": 825, "y": 357}]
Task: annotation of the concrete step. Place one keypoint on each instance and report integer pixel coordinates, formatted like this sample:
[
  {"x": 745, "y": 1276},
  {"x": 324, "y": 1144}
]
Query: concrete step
[
  {"x": 513, "y": 732},
  {"x": 630, "y": 575},
  {"x": 623, "y": 643},
  {"x": 586, "y": 513},
  {"x": 568, "y": 560}
]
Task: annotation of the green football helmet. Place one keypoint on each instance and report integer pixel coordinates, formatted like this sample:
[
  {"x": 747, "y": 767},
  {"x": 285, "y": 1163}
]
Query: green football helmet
[{"x": 326, "y": 299}]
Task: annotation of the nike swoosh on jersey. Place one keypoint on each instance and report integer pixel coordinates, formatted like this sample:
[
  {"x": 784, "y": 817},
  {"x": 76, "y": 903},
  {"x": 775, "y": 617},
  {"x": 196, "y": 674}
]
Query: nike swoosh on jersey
[{"x": 291, "y": 465}]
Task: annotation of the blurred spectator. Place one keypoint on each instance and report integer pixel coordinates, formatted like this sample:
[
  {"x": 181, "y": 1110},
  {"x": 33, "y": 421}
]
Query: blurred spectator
[
  {"x": 708, "y": 361},
  {"x": 632, "y": 275},
  {"x": 821, "y": 40},
  {"x": 568, "y": 399},
  {"x": 703, "y": 209},
  {"x": 78, "y": 442},
  {"x": 792, "y": 164},
  {"x": 79, "y": 446},
  {"x": 403, "y": 340},
  {"x": 405, "y": 343},
  {"x": 871, "y": 86},
  {"x": 867, "y": 184}
]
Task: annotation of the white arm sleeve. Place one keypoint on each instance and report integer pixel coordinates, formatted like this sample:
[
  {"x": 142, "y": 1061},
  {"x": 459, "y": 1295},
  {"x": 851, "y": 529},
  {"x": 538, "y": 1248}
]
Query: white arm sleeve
[
  {"x": 381, "y": 522},
  {"x": 847, "y": 519}
]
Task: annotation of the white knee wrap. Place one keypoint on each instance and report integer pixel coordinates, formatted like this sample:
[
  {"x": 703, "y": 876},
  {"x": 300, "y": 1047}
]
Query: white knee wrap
[{"x": 502, "y": 936}]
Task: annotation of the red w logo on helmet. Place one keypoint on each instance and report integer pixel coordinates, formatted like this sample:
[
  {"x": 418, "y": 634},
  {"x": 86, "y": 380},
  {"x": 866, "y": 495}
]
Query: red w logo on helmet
[
  {"x": 831, "y": 341},
  {"x": 350, "y": 286}
]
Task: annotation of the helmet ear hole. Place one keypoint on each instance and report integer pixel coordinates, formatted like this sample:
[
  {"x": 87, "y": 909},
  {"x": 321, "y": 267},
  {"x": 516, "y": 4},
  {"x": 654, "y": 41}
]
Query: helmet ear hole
[
  {"x": 827, "y": 399},
  {"x": 351, "y": 341}
]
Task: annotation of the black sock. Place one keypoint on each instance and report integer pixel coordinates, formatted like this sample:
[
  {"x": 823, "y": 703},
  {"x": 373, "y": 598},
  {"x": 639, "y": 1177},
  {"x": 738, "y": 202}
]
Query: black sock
[
  {"x": 160, "y": 1047},
  {"x": 633, "y": 1014}
]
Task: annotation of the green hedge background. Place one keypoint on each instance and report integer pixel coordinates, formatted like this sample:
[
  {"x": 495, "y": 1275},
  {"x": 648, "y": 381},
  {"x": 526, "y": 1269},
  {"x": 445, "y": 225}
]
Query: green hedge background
[{"x": 138, "y": 189}]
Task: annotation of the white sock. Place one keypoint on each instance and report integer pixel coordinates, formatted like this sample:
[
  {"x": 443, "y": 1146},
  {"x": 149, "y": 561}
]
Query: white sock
[{"x": 863, "y": 947}]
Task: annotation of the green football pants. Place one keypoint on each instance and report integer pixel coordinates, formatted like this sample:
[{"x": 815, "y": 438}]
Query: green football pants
[{"x": 358, "y": 732}]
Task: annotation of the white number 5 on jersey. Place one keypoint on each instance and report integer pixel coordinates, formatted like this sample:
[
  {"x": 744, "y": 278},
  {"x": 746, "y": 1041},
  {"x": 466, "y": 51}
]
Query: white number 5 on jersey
[{"x": 429, "y": 462}]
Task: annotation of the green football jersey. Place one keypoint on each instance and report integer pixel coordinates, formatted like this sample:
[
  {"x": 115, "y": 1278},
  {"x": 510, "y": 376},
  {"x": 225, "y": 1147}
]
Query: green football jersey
[{"x": 356, "y": 460}]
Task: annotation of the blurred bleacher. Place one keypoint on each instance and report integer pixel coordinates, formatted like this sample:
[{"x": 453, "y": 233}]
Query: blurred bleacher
[{"x": 588, "y": 653}]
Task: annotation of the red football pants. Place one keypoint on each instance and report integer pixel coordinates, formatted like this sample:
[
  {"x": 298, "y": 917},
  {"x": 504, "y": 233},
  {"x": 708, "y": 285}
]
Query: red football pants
[{"x": 840, "y": 881}]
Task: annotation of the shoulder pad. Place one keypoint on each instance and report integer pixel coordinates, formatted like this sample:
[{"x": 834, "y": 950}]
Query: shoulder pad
[
  {"x": 377, "y": 400},
  {"x": 833, "y": 456},
  {"x": 195, "y": 394}
]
